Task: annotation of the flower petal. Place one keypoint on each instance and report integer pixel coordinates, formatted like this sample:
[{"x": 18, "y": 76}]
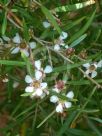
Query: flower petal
[
  {"x": 59, "y": 108},
  {"x": 5, "y": 38},
  {"x": 54, "y": 99},
  {"x": 70, "y": 95},
  {"x": 32, "y": 45},
  {"x": 38, "y": 64},
  {"x": 86, "y": 65},
  {"x": 93, "y": 74},
  {"x": 29, "y": 89},
  {"x": 15, "y": 84},
  {"x": 26, "y": 53},
  {"x": 99, "y": 64},
  {"x": 48, "y": 69},
  {"x": 46, "y": 24},
  {"x": 57, "y": 47},
  {"x": 39, "y": 92},
  {"x": 66, "y": 46},
  {"x": 28, "y": 79},
  {"x": 38, "y": 75},
  {"x": 63, "y": 36},
  {"x": 43, "y": 85},
  {"x": 15, "y": 50},
  {"x": 67, "y": 104},
  {"x": 17, "y": 39}
]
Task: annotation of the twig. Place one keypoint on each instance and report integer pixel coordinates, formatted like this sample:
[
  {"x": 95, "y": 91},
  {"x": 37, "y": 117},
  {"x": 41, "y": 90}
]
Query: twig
[{"x": 70, "y": 61}]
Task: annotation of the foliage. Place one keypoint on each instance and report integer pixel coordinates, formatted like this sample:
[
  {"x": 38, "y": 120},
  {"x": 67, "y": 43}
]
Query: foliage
[{"x": 66, "y": 36}]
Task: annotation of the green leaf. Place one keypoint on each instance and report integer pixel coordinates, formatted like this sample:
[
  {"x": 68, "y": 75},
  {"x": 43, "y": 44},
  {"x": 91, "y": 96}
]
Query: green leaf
[
  {"x": 73, "y": 23},
  {"x": 96, "y": 119},
  {"x": 4, "y": 24},
  {"x": 83, "y": 29},
  {"x": 13, "y": 63},
  {"x": 25, "y": 31},
  {"x": 51, "y": 18},
  {"x": 80, "y": 39},
  {"x": 26, "y": 94},
  {"x": 74, "y": 6},
  {"x": 78, "y": 132},
  {"x": 67, "y": 123},
  {"x": 69, "y": 66},
  {"x": 93, "y": 127}
]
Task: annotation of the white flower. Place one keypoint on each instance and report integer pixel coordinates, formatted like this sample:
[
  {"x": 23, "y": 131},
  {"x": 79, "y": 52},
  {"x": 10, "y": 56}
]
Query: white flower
[
  {"x": 48, "y": 69},
  {"x": 17, "y": 39},
  {"x": 57, "y": 47},
  {"x": 46, "y": 24},
  {"x": 5, "y": 38},
  {"x": 59, "y": 108},
  {"x": 60, "y": 43},
  {"x": 62, "y": 104},
  {"x": 70, "y": 95},
  {"x": 91, "y": 69},
  {"x": 21, "y": 46},
  {"x": 39, "y": 72},
  {"x": 54, "y": 99},
  {"x": 32, "y": 45},
  {"x": 99, "y": 65},
  {"x": 28, "y": 79},
  {"x": 36, "y": 88},
  {"x": 67, "y": 104},
  {"x": 63, "y": 36},
  {"x": 5, "y": 80},
  {"x": 29, "y": 89},
  {"x": 15, "y": 84}
]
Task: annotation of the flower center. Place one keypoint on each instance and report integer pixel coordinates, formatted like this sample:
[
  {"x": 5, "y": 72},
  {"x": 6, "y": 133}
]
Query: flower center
[
  {"x": 92, "y": 68},
  {"x": 36, "y": 84},
  {"x": 23, "y": 45}
]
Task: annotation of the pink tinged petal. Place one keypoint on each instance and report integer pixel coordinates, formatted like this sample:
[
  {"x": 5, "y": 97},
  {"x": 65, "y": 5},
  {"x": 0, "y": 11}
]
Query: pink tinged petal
[
  {"x": 87, "y": 65},
  {"x": 43, "y": 85},
  {"x": 38, "y": 75},
  {"x": 48, "y": 69},
  {"x": 46, "y": 24},
  {"x": 46, "y": 92},
  {"x": 32, "y": 45},
  {"x": 57, "y": 47},
  {"x": 28, "y": 79},
  {"x": 39, "y": 92},
  {"x": 99, "y": 64},
  {"x": 93, "y": 74},
  {"x": 17, "y": 39},
  {"x": 5, "y": 38},
  {"x": 70, "y": 95},
  {"x": 29, "y": 89},
  {"x": 63, "y": 36},
  {"x": 26, "y": 53},
  {"x": 15, "y": 50},
  {"x": 67, "y": 104},
  {"x": 54, "y": 99},
  {"x": 59, "y": 108},
  {"x": 38, "y": 64}
]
